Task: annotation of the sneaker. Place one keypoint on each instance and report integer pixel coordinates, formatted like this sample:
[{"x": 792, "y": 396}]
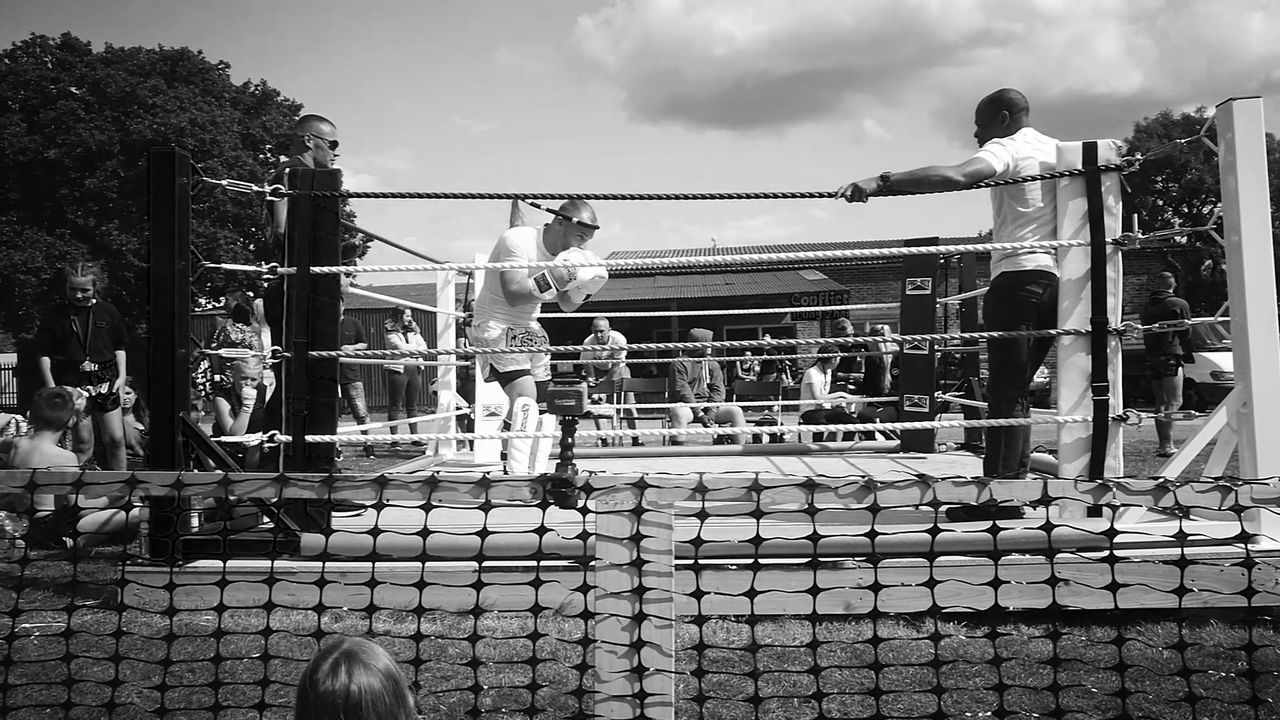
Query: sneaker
[
  {"x": 602, "y": 442},
  {"x": 368, "y": 451},
  {"x": 637, "y": 442},
  {"x": 1166, "y": 452}
]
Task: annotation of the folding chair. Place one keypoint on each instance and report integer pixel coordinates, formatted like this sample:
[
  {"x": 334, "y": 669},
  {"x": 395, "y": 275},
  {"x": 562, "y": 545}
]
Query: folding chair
[
  {"x": 749, "y": 390},
  {"x": 648, "y": 390}
]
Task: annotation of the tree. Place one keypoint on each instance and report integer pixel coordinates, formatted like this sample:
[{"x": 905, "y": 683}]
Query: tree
[
  {"x": 75, "y": 128},
  {"x": 1180, "y": 187}
]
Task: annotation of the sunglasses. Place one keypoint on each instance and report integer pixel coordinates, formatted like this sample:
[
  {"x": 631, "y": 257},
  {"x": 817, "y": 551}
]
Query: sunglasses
[{"x": 332, "y": 144}]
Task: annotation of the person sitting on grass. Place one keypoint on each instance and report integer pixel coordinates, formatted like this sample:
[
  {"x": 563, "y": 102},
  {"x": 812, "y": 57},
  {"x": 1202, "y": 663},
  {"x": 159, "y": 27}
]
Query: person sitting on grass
[
  {"x": 353, "y": 679},
  {"x": 54, "y": 411}
]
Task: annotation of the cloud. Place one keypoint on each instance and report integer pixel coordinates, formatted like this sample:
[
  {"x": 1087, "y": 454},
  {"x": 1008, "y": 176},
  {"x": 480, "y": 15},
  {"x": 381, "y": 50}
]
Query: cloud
[
  {"x": 764, "y": 64},
  {"x": 475, "y": 127}
]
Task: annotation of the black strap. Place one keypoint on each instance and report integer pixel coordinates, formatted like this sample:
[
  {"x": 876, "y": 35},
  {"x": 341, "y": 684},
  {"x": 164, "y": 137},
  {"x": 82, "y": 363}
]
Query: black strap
[{"x": 1099, "y": 325}]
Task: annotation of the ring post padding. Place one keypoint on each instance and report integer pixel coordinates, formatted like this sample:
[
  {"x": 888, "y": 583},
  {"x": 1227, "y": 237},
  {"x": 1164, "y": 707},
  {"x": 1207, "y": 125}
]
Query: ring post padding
[
  {"x": 314, "y": 320},
  {"x": 971, "y": 362},
  {"x": 490, "y": 406},
  {"x": 917, "y": 363},
  {"x": 446, "y": 375},
  {"x": 1075, "y": 394},
  {"x": 169, "y": 351}
]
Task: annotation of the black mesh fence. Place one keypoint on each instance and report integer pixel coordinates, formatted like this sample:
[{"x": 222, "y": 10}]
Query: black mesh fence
[{"x": 791, "y": 597}]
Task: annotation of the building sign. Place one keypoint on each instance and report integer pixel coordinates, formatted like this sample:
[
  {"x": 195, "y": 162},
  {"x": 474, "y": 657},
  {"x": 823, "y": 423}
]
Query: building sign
[{"x": 818, "y": 299}]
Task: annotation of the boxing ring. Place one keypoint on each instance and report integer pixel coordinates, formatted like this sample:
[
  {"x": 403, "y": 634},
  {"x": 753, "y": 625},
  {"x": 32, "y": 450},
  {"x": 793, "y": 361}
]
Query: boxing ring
[{"x": 615, "y": 585}]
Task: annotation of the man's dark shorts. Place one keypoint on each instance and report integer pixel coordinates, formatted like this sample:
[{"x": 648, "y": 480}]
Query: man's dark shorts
[{"x": 1164, "y": 366}]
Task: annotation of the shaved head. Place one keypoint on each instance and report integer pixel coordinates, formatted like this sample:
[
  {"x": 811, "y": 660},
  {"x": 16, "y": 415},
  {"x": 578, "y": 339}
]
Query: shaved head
[
  {"x": 1006, "y": 100},
  {"x": 579, "y": 210},
  {"x": 315, "y": 124}
]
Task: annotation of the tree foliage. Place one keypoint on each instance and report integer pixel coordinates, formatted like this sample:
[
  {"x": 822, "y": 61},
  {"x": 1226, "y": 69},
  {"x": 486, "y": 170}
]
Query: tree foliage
[
  {"x": 75, "y": 128},
  {"x": 1179, "y": 186}
]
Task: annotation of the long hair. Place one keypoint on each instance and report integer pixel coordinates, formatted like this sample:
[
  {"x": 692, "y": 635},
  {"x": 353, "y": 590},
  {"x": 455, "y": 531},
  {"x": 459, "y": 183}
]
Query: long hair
[
  {"x": 353, "y": 679},
  {"x": 140, "y": 411}
]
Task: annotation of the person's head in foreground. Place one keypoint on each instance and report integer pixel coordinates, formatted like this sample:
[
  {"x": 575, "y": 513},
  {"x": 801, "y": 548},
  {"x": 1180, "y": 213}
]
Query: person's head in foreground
[{"x": 353, "y": 679}]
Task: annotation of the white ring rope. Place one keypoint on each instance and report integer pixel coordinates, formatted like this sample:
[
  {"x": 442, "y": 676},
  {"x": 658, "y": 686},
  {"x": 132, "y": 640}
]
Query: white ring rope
[
  {"x": 962, "y": 296},
  {"x": 943, "y": 397},
  {"x": 674, "y": 432},
  {"x": 404, "y": 303},
  {"x": 401, "y": 361},
  {"x": 403, "y": 421},
  {"x": 765, "y": 259},
  {"x": 730, "y": 311},
  {"x": 730, "y": 358},
  {"x": 735, "y": 403}
]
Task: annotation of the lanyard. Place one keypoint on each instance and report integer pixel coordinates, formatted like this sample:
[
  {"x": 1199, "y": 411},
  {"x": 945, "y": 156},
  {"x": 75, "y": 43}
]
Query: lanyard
[{"x": 83, "y": 336}]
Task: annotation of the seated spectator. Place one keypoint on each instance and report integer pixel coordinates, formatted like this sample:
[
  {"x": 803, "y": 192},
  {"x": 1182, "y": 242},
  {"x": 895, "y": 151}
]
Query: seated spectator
[
  {"x": 54, "y": 411},
  {"x": 239, "y": 410},
  {"x": 697, "y": 381},
  {"x": 137, "y": 425},
  {"x": 239, "y": 331},
  {"x": 818, "y": 404},
  {"x": 879, "y": 379},
  {"x": 848, "y": 371},
  {"x": 353, "y": 679}
]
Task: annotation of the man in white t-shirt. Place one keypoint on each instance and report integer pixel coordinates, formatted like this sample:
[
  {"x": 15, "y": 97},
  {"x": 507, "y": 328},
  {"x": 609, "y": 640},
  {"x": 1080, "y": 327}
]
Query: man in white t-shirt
[
  {"x": 1023, "y": 294},
  {"x": 509, "y": 303},
  {"x": 606, "y": 372}
]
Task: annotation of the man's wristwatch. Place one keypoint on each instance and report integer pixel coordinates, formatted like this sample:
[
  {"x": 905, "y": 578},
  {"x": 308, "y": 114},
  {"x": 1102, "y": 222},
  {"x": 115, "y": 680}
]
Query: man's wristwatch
[{"x": 886, "y": 181}]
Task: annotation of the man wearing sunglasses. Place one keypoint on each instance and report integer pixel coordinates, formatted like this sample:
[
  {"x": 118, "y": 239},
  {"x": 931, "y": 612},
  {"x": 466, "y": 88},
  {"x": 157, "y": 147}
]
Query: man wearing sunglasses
[{"x": 313, "y": 144}]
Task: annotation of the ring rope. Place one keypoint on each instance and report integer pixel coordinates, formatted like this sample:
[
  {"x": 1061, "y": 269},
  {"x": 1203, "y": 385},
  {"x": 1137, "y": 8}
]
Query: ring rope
[
  {"x": 406, "y": 303},
  {"x": 957, "y": 400},
  {"x": 277, "y": 192},
  {"x": 385, "y": 241},
  {"x": 730, "y": 311},
  {"x": 415, "y": 363},
  {"x": 403, "y": 421},
  {"x": 735, "y": 403},
  {"x": 275, "y": 437},
  {"x": 731, "y": 344},
  {"x": 692, "y": 261},
  {"x": 734, "y": 358}
]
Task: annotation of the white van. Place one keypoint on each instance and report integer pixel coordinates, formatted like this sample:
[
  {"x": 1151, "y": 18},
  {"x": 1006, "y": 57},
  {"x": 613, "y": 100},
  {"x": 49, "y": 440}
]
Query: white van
[{"x": 1205, "y": 382}]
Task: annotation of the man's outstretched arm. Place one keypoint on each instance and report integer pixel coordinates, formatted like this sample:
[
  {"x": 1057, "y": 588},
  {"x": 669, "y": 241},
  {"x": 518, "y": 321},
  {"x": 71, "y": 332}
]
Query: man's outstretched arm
[{"x": 921, "y": 179}]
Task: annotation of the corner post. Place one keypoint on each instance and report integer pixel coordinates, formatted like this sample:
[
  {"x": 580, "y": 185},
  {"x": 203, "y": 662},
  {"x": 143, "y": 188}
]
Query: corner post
[
  {"x": 169, "y": 322},
  {"x": 1251, "y": 282}
]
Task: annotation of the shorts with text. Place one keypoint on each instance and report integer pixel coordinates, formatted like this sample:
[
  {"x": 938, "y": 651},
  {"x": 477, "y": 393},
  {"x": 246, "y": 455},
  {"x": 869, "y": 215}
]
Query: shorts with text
[{"x": 491, "y": 334}]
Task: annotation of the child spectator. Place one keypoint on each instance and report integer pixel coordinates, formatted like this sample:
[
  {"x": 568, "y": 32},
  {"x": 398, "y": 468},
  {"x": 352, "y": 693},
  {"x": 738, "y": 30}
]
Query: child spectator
[
  {"x": 238, "y": 409},
  {"x": 81, "y": 341},
  {"x": 53, "y": 411},
  {"x": 353, "y": 679}
]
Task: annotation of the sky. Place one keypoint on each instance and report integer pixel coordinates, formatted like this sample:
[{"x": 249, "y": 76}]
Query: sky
[{"x": 547, "y": 96}]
